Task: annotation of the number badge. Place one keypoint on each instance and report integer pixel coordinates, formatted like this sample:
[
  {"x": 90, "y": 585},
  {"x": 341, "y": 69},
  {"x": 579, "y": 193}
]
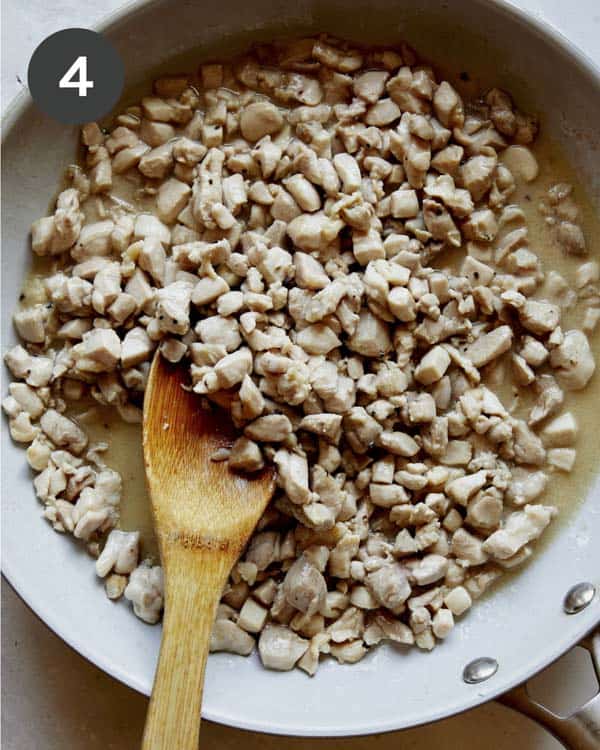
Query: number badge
[{"x": 75, "y": 76}]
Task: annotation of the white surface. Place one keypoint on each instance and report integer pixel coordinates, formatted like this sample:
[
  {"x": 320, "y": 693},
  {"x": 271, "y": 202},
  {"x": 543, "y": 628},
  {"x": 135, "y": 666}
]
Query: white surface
[{"x": 20, "y": 36}]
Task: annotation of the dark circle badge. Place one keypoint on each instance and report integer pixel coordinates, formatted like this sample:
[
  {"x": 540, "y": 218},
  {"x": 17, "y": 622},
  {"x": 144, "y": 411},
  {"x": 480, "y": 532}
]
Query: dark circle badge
[{"x": 75, "y": 76}]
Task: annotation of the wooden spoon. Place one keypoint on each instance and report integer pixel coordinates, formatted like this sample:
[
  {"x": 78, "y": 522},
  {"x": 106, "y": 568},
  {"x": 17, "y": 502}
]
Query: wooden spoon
[{"x": 203, "y": 517}]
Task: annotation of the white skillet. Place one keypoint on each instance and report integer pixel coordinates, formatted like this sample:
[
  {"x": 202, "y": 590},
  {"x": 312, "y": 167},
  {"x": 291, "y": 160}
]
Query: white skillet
[{"x": 523, "y": 626}]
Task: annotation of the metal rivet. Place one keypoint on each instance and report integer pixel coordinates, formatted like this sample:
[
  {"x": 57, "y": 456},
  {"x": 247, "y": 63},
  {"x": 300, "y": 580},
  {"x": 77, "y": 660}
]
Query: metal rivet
[
  {"x": 480, "y": 670},
  {"x": 578, "y": 598}
]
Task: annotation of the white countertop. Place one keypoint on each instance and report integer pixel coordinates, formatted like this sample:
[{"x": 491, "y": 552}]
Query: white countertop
[{"x": 51, "y": 696}]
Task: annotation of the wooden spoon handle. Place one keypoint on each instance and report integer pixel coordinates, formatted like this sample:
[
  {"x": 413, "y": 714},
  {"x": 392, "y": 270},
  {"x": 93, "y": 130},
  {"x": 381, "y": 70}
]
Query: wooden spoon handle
[{"x": 194, "y": 580}]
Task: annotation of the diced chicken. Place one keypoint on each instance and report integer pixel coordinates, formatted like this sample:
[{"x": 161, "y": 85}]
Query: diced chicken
[
  {"x": 228, "y": 636},
  {"x": 136, "y": 347},
  {"x": 304, "y": 587},
  {"x": 120, "y": 553},
  {"x": 562, "y": 458},
  {"x": 525, "y": 486},
  {"x": 463, "y": 488},
  {"x": 63, "y": 431},
  {"x": 560, "y": 432},
  {"x": 172, "y": 197},
  {"x": 31, "y": 324},
  {"x": 173, "y": 307},
  {"x": 25, "y": 399},
  {"x": 371, "y": 338},
  {"x": 539, "y": 317},
  {"x": 573, "y": 360},
  {"x": 280, "y": 648},
  {"x": 260, "y": 119},
  {"x": 389, "y": 585},
  {"x": 145, "y": 591},
  {"x": 245, "y": 455},
  {"x": 433, "y": 366},
  {"x": 458, "y": 600},
  {"x": 490, "y": 345},
  {"x": 520, "y": 528}
]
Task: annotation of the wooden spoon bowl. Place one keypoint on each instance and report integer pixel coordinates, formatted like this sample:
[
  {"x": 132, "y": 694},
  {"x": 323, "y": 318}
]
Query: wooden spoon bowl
[{"x": 203, "y": 516}]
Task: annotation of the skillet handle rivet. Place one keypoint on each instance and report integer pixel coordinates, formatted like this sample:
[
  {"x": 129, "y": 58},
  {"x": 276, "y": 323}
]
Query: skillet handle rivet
[
  {"x": 479, "y": 670},
  {"x": 578, "y": 597}
]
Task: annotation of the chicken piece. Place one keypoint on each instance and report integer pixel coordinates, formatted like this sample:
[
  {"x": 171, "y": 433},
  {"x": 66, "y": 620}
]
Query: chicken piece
[
  {"x": 389, "y": 585},
  {"x": 136, "y": 347},
  {"x": 448, "y": 106},
  {"x": 293, "y": 476},
  {"x": 571, "y": 237},
  {"x": 485, "y": 510},
  {"x": 549, "y": 400},
  {"x": 313, "y": 232},
  {"x": 216, "y": 330},
  {"x": 573, "y": 361},
  {"x": 440, "y": 224},
  {"x": 398, "y": 443},
  {"x": 463, "y": 488},
  {"x": 264, "y": 549},
  {"x": 490, "y": 345},
  {"x": 521, "y": 162},
  {"x": 280, "y": 648},
  {"x": 370, "y": 85},
  {"x": 560, "y": 432},
  {"x": 328, "y": 426},
  {"x": 99, "y": 350},
  {"x": 477, "y": 174},
  {"x": 317, "y": 339},
  {"x": 562, "y": 458},
  {"x": 304, "y": 587},
  {"x": 31, "y": 323},
  {"x": 467, "y": 548},
  {"x": 228, "y": 636},
  {"x": 443, "y": 623},
  {"x": 372, "y": 337},
  {"x": 173, "y": 307},
  {"x": 173, "y": 195},
  {"x": 25, "y": 399},
  {"x": 120, "y": 553},
  {"x": 63, "y": 431},
  {"x": 527, "y": 446},
  {"x": 53, "y": 235},
  {"x": 520, "y": 528},
  {"x": 145, "y": 591},
  {"x": 360, "y": 429},
  {"x": 458, "y": 600},
  {"x": 232, "y": 369},
  {"x": 272, "y": 428},
  {"x": 21, "y": 429},
  {"x": 245, "y": 455},
  {"x": 432, "y": 366},
  {"x": 429, "y": 569},
  {"x": 525, "y": 486},
  {"x": 539, "y": 317}
]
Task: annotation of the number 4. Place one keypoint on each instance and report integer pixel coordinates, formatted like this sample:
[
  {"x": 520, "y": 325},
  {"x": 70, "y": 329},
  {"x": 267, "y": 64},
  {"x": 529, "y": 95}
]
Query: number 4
[{"x": 78, "y": 67}]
